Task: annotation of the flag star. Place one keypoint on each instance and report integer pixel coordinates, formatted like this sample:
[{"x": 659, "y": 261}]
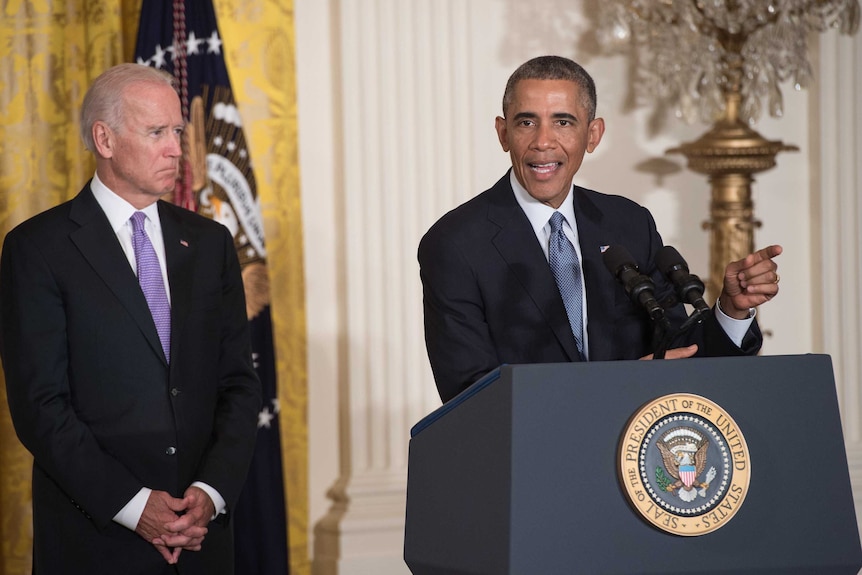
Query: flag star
[
  {"x": 218, "y": 141},
  {"x": 159, "y": 57},
  {"x": 243, "y": 153},
  {"x": 214, "y": 43},
  {"x": 276, "y": 408},
  {"x": 231, "y": 146},
  {"x": 264, "y": 418},
  {"x": 193, "y": 44}
]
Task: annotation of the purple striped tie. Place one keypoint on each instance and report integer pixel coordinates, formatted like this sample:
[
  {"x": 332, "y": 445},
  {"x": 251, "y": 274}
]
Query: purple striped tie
[{"x": 152, "y": 283}]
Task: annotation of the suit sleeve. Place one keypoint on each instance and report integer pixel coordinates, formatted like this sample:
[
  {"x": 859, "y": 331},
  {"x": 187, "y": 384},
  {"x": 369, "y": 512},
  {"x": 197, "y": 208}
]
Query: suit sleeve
[
  {"x": 228, "y": 455},
  {"x": 35, "y": 361},
  {"x": 457, "y": 337},
  {"x": 717, "y": 343}
]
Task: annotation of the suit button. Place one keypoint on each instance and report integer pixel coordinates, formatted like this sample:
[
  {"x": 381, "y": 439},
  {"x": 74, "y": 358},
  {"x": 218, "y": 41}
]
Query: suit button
[
  {"x": 171, "y": 451},
  {"x": 175, "y": 391}
]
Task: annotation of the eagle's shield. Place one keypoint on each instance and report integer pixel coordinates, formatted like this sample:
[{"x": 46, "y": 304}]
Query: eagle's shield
[{"x": 687, "y": 474}]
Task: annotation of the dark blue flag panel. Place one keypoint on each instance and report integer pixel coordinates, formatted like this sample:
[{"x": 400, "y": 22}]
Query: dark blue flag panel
[{"x": 217, "y": 181}]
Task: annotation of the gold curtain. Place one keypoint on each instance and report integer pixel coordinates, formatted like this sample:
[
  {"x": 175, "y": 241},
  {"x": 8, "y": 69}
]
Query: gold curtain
[
  {"x": 258, "y": 40},
  {"x": 49, "y": 54}
]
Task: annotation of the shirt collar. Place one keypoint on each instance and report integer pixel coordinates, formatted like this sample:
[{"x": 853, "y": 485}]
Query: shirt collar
[
  {"x": 118, "y": 210},
  {"x": 539, "y": 213}
]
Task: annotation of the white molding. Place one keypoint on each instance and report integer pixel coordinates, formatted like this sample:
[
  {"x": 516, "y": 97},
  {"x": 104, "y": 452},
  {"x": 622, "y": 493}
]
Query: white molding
[
  {"x": 837, "y": 210},
  {"x": 403, "y": 83}
]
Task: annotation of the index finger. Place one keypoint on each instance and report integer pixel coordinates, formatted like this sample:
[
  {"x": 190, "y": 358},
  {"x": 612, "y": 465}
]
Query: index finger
[
  {"x": 750, "y": 260},
  {"x": 184, "y": 522},
  {"x": 183, "y": 539},
  {"x": 170, "y": 555},
  {"x": 768, "y": 252}
]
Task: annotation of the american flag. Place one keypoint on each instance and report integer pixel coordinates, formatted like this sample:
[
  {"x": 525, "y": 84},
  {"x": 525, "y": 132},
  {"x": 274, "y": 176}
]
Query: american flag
[{"x": 217, "y": 180}]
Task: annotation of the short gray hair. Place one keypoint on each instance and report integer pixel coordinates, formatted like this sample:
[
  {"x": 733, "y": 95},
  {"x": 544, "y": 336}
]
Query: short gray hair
[
  {"x": 554, "y": 68},
  {"x": 104, "y": 100}
]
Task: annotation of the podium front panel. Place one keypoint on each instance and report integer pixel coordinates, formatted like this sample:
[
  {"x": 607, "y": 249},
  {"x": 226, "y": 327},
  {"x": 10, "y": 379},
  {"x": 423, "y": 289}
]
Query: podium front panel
[{"x": 524, "y": 474}]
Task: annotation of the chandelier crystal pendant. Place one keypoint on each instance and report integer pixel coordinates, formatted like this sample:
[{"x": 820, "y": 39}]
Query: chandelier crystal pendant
[{"x": 718, "y": 61}]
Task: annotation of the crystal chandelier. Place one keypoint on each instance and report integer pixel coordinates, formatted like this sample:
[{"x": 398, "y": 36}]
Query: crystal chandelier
[
  {"x": 717, "y": 61},
  {"x": 689, "y": 54}
]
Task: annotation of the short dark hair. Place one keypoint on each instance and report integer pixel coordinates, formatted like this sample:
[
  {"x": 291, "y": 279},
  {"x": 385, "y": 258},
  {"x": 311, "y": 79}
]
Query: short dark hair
[{"x": 553, "y": 68}]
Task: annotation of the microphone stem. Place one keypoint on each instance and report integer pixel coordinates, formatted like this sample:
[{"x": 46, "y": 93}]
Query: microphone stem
[{"x": 668, "y": 334}]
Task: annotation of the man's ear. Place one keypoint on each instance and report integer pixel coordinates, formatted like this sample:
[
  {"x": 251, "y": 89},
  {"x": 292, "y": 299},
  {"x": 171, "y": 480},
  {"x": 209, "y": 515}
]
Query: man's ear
[
  {"x": 596, "y": 131},
  {"x": 502, "y": 132},
  {"x": 103, "y": 139}
]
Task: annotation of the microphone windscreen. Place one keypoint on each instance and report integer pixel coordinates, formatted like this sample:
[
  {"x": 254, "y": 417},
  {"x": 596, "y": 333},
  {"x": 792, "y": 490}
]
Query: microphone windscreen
[
  {"x": 616, "y": 257},
  {"x": 668, "y": 258}
]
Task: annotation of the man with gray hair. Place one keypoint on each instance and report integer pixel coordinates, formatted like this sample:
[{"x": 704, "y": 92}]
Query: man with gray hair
[
  {"x": 515, "y": 275},
  {"x": 125, "y": 346}
]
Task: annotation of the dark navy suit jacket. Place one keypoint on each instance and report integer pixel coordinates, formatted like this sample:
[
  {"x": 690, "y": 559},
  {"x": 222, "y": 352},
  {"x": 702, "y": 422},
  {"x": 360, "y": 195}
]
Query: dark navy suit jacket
[
  {"x": 95, "y": 402},
  {"x": 490, "y": 297}
]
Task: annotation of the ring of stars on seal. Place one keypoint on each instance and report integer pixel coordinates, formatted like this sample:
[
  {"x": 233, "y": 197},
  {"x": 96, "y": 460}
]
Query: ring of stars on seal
[{"x": 684, "y": 464}]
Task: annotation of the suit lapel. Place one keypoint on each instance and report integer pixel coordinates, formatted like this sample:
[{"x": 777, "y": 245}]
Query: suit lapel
[
  {"x": 517, "y": 245},
  {"x": 98, "y": 244},
  {"x": 179, "y": 250},
  {"x": 599, "y": 283}
]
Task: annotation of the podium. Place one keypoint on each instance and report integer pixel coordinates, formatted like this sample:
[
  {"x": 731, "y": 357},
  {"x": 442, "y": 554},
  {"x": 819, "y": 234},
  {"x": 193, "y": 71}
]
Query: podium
[{"x": 520, "y": 473}]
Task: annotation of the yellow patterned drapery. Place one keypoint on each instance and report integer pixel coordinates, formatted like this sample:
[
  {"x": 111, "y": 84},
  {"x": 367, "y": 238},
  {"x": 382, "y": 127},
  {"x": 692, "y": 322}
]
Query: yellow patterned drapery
[
  {"x": 258, "y": 42},
  {"x": 49, "y": 53}
]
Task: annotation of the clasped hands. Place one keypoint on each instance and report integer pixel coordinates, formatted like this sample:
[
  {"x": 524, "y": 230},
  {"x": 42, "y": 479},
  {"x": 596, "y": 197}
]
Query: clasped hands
[
  {"x": 748, "y": 282},
  {"x": 172, "y": 524}
]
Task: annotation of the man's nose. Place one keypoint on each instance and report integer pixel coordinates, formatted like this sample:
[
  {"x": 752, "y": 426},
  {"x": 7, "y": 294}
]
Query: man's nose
[
  {"x": 176, "y": 145},
  {"x": 545, "y": 137}
]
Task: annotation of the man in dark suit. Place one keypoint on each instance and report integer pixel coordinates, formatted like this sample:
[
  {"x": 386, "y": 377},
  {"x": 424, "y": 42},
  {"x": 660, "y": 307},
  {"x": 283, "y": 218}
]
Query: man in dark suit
[
  {"x": 490, "y": 296},
  {"x": 140, "y": 411}
]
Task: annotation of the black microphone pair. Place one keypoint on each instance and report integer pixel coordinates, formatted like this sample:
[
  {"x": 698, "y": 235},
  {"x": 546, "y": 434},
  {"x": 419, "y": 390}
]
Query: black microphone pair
[{"x": 641, "y": 289}]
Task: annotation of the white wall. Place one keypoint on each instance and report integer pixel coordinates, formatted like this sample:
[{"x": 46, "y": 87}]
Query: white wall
[
  {"x": 396, "y": 112},
  {"x": 836, "y": 239},
  {"x": 320, "y": 171}
]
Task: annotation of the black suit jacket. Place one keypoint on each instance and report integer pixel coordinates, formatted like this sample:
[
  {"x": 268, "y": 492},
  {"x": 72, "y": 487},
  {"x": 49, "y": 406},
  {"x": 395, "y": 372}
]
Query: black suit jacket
[
  {"x": 490, "y": 297},
  {"x": 93, "y": 399}
]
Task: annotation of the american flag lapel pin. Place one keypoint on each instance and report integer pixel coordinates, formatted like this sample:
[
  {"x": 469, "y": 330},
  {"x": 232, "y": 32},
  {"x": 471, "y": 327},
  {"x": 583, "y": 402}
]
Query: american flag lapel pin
[
  {"x": 184, "y": 243},
  {"x": 603, "y": 249}
]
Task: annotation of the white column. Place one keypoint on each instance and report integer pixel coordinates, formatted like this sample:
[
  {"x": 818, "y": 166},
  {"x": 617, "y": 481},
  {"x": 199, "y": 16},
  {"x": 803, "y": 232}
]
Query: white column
[
  {"x": 402, "y": 100},
  {"x": 837, "y": 117}
]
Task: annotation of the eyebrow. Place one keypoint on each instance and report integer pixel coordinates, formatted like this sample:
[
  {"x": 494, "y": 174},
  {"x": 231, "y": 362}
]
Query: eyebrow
[
  {"x": 556, "y": 116},
  {"x": 151, "y": 127}
]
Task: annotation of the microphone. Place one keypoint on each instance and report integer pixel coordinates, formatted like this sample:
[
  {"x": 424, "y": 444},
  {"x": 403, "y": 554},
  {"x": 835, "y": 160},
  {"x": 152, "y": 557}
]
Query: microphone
[
  {"x": 689, "y": 288},
  {"x": 640, "y": 288}
]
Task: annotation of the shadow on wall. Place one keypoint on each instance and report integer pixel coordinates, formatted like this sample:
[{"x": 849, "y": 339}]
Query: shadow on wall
[
  {"x": 538, "y": 28},
  {"x": 570, "y": 28}
]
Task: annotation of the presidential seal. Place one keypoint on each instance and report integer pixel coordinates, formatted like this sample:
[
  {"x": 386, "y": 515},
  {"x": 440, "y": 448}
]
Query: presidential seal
[{"x": 684, "y": 464}]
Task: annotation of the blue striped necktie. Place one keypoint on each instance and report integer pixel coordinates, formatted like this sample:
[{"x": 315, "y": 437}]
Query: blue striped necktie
[
  {"x": 152, "y": 283},
  {"x": 567, "y": 272}
]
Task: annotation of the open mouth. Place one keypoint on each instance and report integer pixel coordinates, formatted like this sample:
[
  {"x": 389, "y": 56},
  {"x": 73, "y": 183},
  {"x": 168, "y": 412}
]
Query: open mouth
[{"x": 546, "y": 168}]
